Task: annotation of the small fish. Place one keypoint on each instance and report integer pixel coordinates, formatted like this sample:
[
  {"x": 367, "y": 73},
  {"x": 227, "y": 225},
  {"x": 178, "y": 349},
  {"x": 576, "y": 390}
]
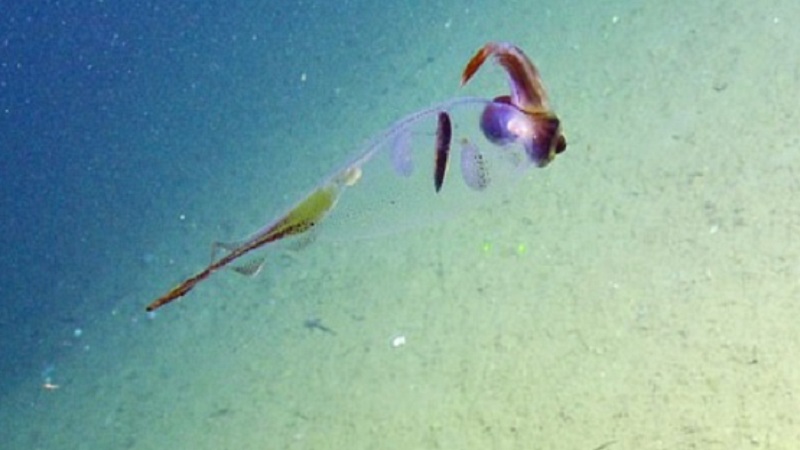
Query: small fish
[
  {"x": 314, "y": 323},
  {"x": 444, "y": 133}
]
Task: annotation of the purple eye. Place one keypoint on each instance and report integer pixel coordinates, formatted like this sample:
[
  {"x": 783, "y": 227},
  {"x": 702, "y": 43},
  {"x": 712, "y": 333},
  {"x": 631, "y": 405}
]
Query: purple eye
[
  {"x": 538, "y": 132},
  {"x": 545, "y": 141},
  {"x": 495, "y": 123}
]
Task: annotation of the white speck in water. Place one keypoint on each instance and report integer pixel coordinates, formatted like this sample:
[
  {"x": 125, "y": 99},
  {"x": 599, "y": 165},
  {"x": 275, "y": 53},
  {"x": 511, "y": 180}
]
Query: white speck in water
[
  {"x": 148, "y": 259},
  {"x": 398, "y": 341}
]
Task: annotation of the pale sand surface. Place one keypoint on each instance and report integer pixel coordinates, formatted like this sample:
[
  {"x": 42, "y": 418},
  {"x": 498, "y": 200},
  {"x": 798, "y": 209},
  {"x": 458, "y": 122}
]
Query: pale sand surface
[{"x": 642, "y": 290}]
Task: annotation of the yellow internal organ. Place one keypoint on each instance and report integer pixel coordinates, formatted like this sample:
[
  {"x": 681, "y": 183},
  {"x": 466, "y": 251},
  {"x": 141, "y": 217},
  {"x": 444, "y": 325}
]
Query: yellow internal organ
[{"x": 307, "y": 214}]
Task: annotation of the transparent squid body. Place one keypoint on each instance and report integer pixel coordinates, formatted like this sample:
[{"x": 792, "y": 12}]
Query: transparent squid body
[{"x": 427, "y": 166}]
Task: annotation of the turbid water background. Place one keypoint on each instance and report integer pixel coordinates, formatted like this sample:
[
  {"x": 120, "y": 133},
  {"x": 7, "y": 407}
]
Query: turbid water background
[{"x": 641, "y": 292}]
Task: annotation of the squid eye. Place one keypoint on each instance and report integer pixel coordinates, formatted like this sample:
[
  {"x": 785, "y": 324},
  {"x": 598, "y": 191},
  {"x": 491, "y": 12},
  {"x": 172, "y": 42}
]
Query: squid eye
[
  {"x": 546, "y": 140},
  {"x": 496, "y": 120},
  {"x": 538, "y": 132}
]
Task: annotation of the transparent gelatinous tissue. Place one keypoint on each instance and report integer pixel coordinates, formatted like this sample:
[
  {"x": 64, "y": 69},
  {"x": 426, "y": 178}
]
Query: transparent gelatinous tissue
[
  {"x": 397, "y": 189},
  {"x": 400, "y": 153},
  {"x": 473, "y": 166}
]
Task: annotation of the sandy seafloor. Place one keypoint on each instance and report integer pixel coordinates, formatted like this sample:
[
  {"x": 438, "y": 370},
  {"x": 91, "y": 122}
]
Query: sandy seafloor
[{"x": 642, "y": 292}]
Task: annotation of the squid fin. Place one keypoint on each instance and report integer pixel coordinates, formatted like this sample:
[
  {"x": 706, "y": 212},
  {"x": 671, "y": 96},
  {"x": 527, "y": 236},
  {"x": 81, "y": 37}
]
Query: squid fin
[{"x": 250, "y": 268}]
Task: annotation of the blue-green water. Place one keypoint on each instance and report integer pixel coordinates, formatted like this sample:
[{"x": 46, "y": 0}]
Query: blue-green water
[{"x": 640, "y": 291}]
